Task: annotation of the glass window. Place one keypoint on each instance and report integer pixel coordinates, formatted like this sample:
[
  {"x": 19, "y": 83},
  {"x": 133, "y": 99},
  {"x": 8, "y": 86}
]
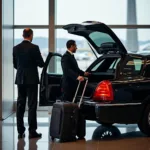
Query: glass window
[
  {"x": 134, "y": 40},
  {"x": 31, "y": 12},
  {"x": 97, "y": 65},
  {"x": 114, "y": 64},
  {"x": 54, "y": 66},
  {"x": 132, "y": 67},
  {"x": 106, "y": 65},
  {"x": 83, "y": 55},
  {"x": 107, "y": 11},
  {"x": 40, "y": 38},
  {"x": 146, "y": 48},
  {"x": 98, "y": 38},
  {"x": 138, "y": 64}
]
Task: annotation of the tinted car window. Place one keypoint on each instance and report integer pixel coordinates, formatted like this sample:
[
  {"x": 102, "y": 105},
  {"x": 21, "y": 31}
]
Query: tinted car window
[
  {"x": 114, "y": 64},
  {"x": 55, "y": 65},
  {"x": 98, "y": 38},
  {"x": 106, "y": 65},
  {"x": 97, "y": 65},
  {"x": 132, "y": 67}
]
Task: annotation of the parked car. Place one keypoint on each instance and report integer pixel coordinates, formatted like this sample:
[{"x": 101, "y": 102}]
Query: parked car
[{"x": 119, "y": 85}]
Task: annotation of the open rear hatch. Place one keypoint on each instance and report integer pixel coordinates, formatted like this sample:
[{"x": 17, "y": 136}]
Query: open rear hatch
[{"x": 99, "y": 35}]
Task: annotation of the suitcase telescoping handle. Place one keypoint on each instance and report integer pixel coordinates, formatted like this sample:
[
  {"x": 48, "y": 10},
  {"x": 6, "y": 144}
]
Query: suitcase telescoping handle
[{"x": 86, "y": 81}]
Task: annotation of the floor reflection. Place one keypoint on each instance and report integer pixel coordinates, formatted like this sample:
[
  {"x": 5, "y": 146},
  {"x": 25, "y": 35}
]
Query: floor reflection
[
  {"x": 21, "y": 144},
  {"x": 113, "y": 132},
  {"x": 124, "y": 137},
  {"x": 32, "y": 145}
]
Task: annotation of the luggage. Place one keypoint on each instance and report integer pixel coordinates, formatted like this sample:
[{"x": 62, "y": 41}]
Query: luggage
[
  {"x": 63, "y": 121},
  {"x": 66, "y": 120},
  {"x": 81, "y": 125}
]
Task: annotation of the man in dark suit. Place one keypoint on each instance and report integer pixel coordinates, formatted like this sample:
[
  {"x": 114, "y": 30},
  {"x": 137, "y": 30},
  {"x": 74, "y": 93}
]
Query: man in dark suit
[
  {"x": 71, "y": 72},
  {"x": 26, "y": 59}
]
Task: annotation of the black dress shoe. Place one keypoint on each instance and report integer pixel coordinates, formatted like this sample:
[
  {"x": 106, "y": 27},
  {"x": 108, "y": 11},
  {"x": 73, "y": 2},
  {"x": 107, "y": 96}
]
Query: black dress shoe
[
  {"x": 35, "y": 135},
  {"x": 20, "y": 136}
]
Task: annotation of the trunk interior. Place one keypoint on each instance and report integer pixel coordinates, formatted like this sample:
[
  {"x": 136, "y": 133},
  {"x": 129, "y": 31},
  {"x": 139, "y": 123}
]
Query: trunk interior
[{"x": 103, "y": 69}]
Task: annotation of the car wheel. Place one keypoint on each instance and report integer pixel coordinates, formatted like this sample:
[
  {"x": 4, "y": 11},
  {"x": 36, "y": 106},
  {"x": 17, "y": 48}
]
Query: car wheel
[
  {"x": 104, "y": 124},
  {"x": 105, "y": 132},
  {"x": 144, "y": 123}
]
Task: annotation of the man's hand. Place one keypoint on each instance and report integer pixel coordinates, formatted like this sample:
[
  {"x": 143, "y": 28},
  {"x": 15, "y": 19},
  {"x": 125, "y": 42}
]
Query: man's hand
[
  {"x": 80, "y": 78},
  {"x": 86, "y": 74}
]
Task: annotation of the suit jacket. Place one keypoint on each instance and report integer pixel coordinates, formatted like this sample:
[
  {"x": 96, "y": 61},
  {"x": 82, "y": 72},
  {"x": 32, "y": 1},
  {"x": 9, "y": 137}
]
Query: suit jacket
[
  {"x": 26, "y": 59},
  {"x": 70, "y": 71}
]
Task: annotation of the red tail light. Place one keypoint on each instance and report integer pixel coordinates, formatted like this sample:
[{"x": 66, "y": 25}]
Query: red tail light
[{"x": 104, "y": 91}]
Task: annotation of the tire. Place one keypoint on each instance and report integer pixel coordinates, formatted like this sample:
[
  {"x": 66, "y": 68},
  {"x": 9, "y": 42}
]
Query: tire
[
  {"x": 105, "y": 132},
  {"x": 144, "y": 123}
]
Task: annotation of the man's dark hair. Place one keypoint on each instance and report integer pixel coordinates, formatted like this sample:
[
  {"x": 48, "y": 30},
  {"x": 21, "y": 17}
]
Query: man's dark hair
[
  {"x": 70, "y": 43},
  {"x": 27, "y": 32}
]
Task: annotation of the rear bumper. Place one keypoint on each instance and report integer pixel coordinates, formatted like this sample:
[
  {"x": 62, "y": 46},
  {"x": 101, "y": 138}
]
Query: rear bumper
[
  {"x": 88, "y": 110},
  {"x": 113, "y": 113}
]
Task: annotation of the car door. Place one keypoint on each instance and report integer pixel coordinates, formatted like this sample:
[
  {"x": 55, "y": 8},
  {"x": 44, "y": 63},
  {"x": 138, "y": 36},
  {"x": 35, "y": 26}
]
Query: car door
[
  {"x": 50, "y": 83},
  {"x": 131, "y": 77}
]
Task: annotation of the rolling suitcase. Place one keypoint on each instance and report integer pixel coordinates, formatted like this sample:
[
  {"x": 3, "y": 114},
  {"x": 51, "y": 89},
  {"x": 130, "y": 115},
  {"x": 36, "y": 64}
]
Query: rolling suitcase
[
  {"x": 64, "y": 120},
  {"x": 81, "y": 124}
]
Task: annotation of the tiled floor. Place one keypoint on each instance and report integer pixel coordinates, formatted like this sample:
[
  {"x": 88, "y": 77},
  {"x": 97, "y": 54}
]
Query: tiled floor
[{"x": 130, "y": 138}]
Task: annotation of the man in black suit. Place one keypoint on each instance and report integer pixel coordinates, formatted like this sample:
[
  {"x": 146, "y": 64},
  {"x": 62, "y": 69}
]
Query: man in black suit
[
  {"x": 71, "y": 72},
  {"x": 26, "y": 59}
]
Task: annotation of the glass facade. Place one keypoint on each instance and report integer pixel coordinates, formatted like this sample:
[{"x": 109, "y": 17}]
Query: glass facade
[
  {"x": 134, "y": 44},
  {"x": 125, "y": 17},
  {"x": 40, "y": 38},
  {"x": 83, "y": 55},
  {"x": 106, "y": 11},
  {"x": 30, "y": 12}
]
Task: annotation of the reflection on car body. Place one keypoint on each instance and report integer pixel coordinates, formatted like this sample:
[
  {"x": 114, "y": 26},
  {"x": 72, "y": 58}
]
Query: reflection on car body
[{"x": 118, "y": 88}]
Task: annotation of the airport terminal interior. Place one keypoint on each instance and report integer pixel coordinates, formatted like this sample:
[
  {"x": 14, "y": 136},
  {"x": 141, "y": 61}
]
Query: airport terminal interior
[{"x": 128, "y": 19}]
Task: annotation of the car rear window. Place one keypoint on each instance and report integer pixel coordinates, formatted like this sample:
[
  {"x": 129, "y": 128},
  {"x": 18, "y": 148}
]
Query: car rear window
[{"x": 99, "y": 37}]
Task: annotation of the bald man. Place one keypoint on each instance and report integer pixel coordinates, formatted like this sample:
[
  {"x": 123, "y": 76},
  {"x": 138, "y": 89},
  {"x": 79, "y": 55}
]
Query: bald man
[{"x": 26, "y": 59}]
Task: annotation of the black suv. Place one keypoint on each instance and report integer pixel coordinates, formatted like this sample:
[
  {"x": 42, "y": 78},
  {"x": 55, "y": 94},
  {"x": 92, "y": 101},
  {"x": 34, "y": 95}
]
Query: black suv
[{"x": 119, "y": 85}]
